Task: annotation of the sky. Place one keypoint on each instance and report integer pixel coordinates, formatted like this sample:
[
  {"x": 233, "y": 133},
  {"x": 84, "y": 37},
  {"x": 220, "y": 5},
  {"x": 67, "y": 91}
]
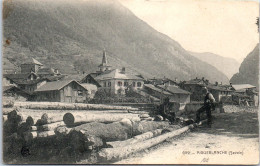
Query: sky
[{"x": 223, "y": 27}]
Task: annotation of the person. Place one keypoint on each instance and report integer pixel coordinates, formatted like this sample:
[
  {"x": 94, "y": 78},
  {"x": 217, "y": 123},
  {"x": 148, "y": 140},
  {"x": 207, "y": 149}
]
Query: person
[
  {"x": 164, "y": 108},
  {"x": 208, "y": 106}
]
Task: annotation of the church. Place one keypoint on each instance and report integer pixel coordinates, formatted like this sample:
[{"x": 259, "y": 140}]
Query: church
[{"x": 114, "y": 81}]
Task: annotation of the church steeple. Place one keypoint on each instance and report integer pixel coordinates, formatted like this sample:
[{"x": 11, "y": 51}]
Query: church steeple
[
  {"x": 104, "y": 60},
  {"x": 104, "y": 65}
]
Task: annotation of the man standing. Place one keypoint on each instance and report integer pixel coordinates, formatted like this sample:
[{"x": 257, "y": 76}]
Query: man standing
[{"x": 208, "y": 106}]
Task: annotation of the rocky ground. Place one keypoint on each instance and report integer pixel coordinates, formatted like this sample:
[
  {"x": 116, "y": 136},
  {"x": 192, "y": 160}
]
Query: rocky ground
[{"x": 233, "y": 137}]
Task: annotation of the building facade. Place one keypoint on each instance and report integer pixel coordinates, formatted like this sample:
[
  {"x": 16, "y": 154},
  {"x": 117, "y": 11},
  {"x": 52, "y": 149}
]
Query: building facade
[{"x": 69, "y": 91}]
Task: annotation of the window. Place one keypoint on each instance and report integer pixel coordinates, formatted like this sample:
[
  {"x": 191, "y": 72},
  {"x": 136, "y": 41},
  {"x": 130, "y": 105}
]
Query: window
[
  {"x": 133, "y": 84},
  {"x": 105, "y": 84},
  {"x": 125, "y": 83},
  {"x": 109, "y": 84},
  {"x": 139, "y": 84},
  {"x": 80, "y": 93},
  {"x": 119, "y": 83}
]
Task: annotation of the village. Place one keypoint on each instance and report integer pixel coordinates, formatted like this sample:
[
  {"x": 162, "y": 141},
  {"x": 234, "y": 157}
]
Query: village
[
  {"x": 104, "y": 116},
  {"x": 35, "y": 82}
]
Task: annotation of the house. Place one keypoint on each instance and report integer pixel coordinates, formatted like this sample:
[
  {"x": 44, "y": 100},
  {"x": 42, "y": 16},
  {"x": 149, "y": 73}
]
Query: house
[
  {"x": 117, "y": 81},
  {"x": 16, "y": 93},
  {"x": 31, "y": 65},
  {"x": 247, "y": 90},
  {"x": 156, "y": 92},
  {"x": 92, "y": 89},
  {"x": 162, "y": 81},
  {"x": 46, "y": 71},
  {"x": 30, "y": 85},
  {"x": 11, "y": 79},
  {"x": 177, "y": 95},
  {"x": 221, "y": 93},
  {"x": 62, "y": 91},
  {"x": 242, "y": 88},
  {"x": 195, "y": 87},
  {"x": 114, "y": 81}
]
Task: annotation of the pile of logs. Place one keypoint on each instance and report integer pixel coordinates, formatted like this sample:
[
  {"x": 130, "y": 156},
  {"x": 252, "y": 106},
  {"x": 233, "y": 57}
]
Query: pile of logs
[
  {"x": 73, "y": 136},
  {"x": 69, "y": 106}
]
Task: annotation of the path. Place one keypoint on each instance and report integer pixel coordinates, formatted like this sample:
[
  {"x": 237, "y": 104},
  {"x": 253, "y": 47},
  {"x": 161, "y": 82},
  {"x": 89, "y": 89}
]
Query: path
[{"x": 235, "y": 133}]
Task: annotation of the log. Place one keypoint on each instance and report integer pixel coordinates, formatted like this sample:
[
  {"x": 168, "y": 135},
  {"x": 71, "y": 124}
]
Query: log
[
  {"x": 47, "y": 118},
  {"x": 121, "y": 152},
  {"x": 83, "y": 142},
  {"x": 135, "y": 139},
  {"x": 51, "y": 126},
  {"x": 145, "y": 126},
  {"x": 28, "y": 136},
  {"x": 5, "y": 111},
  {"x": 107, "y": 132},
  {"x": 72, "y": 119},
  {"x": 144, "y": 116},
  {"x": 62, "y": 131},
  {"x": 70, "y": 106}
]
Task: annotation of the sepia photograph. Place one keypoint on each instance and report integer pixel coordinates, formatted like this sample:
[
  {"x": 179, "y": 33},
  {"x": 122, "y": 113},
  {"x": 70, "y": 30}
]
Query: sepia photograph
[{"x": 130, "y": 82}]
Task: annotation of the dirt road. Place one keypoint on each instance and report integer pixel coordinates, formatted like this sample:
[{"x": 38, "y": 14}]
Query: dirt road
[{"x": 232, "y": 139}]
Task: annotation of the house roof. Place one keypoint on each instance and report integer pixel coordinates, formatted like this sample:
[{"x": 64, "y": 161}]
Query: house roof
[
  {"x": 54, "y": 78},
  {"x": 45, "y": 70},
  {"x": 242, "y": 86},
  {"x": 195, "y": 81},
  {"x": 150, "y": 86},
  {"x": 116, "y": 74},
  {"x": 56, "y": 85},
  {"x": 89, "y": 86},
  {"x": 32, "y": 61},
  {"x": 14, "y": 88},
  {"x": 28, "y": 82},
  {"x": 174, "y": 89},
  {"x": 17, "y": 76},
  {"x": 219, "y": 87}
]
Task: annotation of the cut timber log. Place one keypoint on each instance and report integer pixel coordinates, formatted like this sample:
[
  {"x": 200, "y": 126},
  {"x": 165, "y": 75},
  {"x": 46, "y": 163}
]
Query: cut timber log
[
  {"x": 121, "y": 152},
  {"x": 71, "y": 119},
  {"x": 145, "y": 126},
  {"x": 47, "y": 118},
  {"x": 50, "y": 127},
  {"x": 69, "y": 106},
  {"x": 62, "y": 131},
  {"x": 28, "y": 136},
  {"x": 5, "y": 111},
  {"x": 135, "y": 139},
  {"x": 107, "y": 132}
]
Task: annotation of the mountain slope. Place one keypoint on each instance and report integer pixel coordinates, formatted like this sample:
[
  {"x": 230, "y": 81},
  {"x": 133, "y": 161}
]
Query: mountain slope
[
  {"x": 75, "y": 33},
  {"x": 228, "y": 66},
  {"x": 249, "y": 70}
]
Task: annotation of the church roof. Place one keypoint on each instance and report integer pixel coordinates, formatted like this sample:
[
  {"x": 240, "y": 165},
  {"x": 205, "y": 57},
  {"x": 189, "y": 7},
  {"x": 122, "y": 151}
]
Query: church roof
[{"x": 117, "y": 74}]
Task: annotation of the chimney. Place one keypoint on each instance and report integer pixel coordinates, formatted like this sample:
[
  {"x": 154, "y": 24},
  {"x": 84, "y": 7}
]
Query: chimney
[
  {"x": 123, "y": 70},
  {"x": 196, "y": 78},
  {"x": 202, "y": 78},
  {"x": 216, "y": 83},
  {"x": 230, "y": 83},
  {"x": 175, "y": 79}
]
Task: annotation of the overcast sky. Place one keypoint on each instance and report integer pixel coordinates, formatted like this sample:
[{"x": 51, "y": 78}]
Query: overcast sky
[{"x": 223, "y": 27}]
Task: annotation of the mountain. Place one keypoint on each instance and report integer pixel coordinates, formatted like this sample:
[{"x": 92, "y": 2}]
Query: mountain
[
  {"x": 228, "y": 66},
  {"x": 70, "y": 35},
  {"x": 249, "y": 70}
]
